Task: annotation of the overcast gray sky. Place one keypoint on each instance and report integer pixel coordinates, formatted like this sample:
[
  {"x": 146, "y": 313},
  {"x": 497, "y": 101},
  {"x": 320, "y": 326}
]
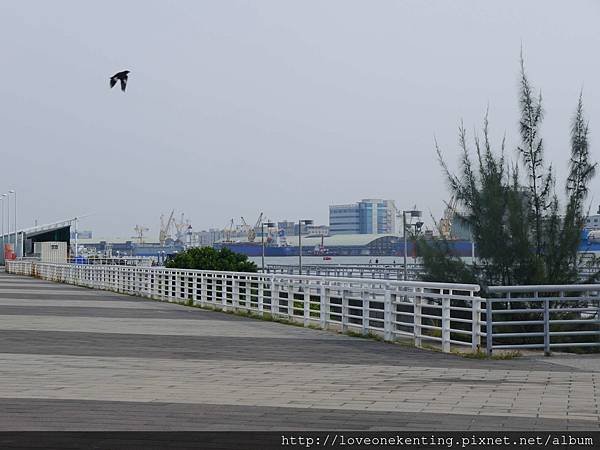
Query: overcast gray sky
[{"x": 234, "y": 107}]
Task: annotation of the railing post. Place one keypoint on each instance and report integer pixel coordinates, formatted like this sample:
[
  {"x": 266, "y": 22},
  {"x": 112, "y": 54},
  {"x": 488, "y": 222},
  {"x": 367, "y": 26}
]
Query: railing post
[
  {"x": 475, "y": 322},
  {"x": 597, "y": 308},
  {"x": 489, "y": 333},
  {"x": 203, "y": 291},
  {"x": 188, "y": 286},
  {"x": 180, "y": 286},
  {"x": 261, "y": 294},
  {"x": 160, "y": 284},
  {"x": 417, "y": 318},
  {"x": 365, "y": 302},
  {"x": 446, "y": 323},
  {"x": 223, "y": 291},
  {"x": 135, "y": 281},
  {"x": 194, "y": 288},
  {"x": 152, "y": 274},
  {"x": 235, "y": 293},
  {"x": 306, "y": 300},
  {"x": 209, "y": 280},
  {"x": 290, "y": 301},
  {"x": 323, "y": 309},
  {"x": 388, "y": 316},
  {"x": 546, "y": 324},
  {"x": 344, "y": 310},
  {"x": 274, "y": 298}
]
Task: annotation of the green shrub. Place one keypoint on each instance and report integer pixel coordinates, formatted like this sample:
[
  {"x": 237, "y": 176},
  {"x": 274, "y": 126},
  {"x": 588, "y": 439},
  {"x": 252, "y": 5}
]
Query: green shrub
[{"x": 208, "y": 258}]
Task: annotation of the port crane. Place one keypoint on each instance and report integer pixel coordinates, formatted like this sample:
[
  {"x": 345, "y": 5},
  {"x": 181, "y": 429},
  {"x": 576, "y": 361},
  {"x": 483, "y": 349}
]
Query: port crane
[
  {"x": 181, "y": 228},
  {"x": 165, "y": 228},
  {"x": 139, "y": 233},
  {"x": 445, "y": 223},
  {"x": 251, "y": 231},
  {"x": 228, "y": 231}
]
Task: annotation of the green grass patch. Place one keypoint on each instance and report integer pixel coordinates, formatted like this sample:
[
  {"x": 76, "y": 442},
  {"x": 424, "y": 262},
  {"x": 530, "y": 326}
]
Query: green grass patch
[
  {"x": 480, "y": 354},
  {"x": 368, "y": 335}
]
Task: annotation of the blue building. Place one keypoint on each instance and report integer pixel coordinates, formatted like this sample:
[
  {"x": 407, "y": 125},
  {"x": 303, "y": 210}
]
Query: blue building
[{"x": 368, "y": 216}]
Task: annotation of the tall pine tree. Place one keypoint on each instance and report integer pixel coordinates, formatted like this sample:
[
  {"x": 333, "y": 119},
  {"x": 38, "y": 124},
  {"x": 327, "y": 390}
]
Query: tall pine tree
[{"x": 521, "y": 232}]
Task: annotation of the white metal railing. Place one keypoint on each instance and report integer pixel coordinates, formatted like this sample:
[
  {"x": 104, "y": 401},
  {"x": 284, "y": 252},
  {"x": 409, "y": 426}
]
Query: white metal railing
[
  {"x": 543, "y": 317},
  {"x": 112, "y": 261},
  {"x": 20, "y": 267},
  {"x": 448, "y": 314},
  {"x": 390, "y": 271}
]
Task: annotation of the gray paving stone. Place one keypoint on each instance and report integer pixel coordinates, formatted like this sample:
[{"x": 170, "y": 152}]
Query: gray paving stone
[{"x": 86, "y": 415}]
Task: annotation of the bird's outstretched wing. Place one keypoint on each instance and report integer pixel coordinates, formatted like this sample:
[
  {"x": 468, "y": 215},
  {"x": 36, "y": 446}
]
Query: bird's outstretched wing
[
  {"x": 123, "y": 83},
  {"x": 113, "y": 81}
]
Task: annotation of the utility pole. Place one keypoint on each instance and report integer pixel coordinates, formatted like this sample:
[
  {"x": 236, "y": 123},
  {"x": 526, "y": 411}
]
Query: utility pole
[
  {"x": 413, "y": 213},
  {"x": 262, "y": 240},
  {"x": 16, "y": 237},
  {"x": 2, "y": 221},
  {"x": 300, "y": 222}
]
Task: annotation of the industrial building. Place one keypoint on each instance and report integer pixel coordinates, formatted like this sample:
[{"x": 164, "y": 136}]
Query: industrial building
[
  {"x": 368, "y": 216},
  {"x": 292, "y": 228},
  {"x": 27, "y": 238}
]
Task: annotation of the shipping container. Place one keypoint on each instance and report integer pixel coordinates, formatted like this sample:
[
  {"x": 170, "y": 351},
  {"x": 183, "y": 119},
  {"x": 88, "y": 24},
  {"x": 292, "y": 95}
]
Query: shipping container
[{"x": 52, "y": 252}]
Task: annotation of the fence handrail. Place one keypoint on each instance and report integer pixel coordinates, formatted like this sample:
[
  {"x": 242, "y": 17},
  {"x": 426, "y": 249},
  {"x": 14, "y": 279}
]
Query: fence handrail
[
  {"x": 397, "y": 283},
  {"x": 546, "y": 318},
  {"x": 544, "y": 288},
  {"x": 375, "y": 271},
  {"x": 345, "y": 265}
]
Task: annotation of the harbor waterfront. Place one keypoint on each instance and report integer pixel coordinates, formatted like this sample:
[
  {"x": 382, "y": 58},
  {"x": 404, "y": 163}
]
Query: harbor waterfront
[
  {"x": 446, "y": 314},
  {"x": 318, "y": 260}
]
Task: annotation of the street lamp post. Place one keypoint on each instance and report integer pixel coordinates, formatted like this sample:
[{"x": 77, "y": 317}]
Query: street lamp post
[
  {"x": 2, "y": 220},
  {"x": 7, "y": 221},
  {"x": 300, "y": 222},
  {"x": 12, "y": 191},
  {"x": 262, "y": 241},
  {"x": 16, "y": 236},
  {"x": 413, "y": 213},
  {"x": 76, "y": 250}
]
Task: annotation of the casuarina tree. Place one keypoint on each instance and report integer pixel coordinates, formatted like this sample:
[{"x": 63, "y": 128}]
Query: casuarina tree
[{"x": 522, "y": 233}]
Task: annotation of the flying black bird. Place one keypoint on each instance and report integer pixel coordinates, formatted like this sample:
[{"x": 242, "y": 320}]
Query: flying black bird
[{"x": 122, "y": 77}]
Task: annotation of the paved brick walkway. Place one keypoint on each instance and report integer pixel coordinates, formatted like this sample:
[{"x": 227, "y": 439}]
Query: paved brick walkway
[{"x": 77, "y": 359}]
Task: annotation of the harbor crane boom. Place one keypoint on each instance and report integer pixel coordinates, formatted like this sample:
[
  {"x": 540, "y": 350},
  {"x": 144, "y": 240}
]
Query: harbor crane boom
[
  {"x": 445, "y": 223},
  {"x": 139, "y": 233},
  {"x": 250, "y": 233},
  {"x": 181, "y": 227},
  {"x": 165, "y": 228},
  {"x": 228, "y": 231}
]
